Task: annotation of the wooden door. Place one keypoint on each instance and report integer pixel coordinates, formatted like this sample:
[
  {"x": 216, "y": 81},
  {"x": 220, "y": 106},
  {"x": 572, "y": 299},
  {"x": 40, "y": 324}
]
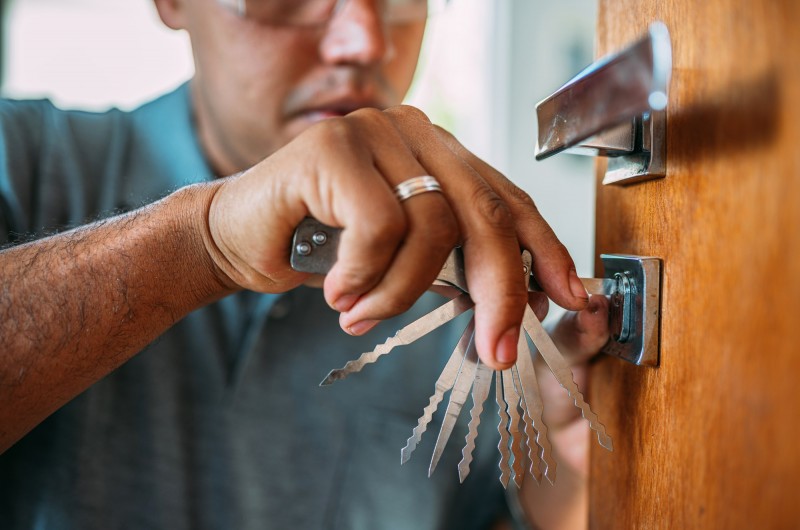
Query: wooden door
[{"x": 711, "y": 438}]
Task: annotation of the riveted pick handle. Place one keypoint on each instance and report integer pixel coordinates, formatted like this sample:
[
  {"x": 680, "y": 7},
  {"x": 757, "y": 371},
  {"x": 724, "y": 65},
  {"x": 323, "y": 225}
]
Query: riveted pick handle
[{"x": 314, "y": 247}]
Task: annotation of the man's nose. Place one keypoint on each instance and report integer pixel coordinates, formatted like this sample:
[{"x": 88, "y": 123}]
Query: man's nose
[{"x": 357, "y": 34}]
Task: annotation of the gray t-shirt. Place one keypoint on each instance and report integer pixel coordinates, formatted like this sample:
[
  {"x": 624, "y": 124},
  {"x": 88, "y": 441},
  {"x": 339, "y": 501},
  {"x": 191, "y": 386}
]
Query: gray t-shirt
[{"x": 219, "y": 423}]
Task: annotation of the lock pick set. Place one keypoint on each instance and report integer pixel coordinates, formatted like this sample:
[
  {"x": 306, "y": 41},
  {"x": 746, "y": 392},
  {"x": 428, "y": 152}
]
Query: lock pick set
[{"x": 523, "y": 433}]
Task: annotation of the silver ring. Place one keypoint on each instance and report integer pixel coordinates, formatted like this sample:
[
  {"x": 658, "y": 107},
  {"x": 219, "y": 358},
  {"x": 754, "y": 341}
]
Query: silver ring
[{"x": 414, "y": 186}]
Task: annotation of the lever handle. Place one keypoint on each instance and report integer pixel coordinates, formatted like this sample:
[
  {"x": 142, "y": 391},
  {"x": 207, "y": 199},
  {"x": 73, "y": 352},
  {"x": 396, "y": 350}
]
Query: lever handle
[{"x": 614, "y": 108}]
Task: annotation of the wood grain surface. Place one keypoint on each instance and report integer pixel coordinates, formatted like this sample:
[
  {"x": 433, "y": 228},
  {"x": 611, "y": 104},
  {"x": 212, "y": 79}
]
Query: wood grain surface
[{"x": 711, "y": 438}]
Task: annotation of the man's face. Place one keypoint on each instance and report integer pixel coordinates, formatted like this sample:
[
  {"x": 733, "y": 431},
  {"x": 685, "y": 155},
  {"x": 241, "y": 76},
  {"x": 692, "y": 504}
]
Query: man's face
[{"x": 257, "y": 86}]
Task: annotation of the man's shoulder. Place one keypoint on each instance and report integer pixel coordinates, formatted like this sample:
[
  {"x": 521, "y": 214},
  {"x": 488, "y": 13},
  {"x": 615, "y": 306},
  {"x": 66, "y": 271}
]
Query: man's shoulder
[
  {"x": 174, "y": 101},
  {"x": 43, "y": 114},
  {"x": 20, "y": 108},
  {"x": 40, "y": 125},
  {"x": 64, "y": 166},
  {"x": 25, "y": 121},
  {"x": 145, "y": 139}
]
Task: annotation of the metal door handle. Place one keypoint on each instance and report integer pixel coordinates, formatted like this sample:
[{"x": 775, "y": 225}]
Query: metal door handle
[{"x": 614, "y": 108}]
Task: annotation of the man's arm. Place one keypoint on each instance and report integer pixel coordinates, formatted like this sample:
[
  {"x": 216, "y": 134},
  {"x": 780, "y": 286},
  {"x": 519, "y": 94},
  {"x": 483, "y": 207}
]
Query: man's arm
[{"x": 75, "y": 306}]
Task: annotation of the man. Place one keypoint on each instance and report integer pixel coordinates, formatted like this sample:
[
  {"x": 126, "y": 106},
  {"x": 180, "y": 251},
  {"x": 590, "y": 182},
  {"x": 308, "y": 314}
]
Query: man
[{"x": 217, "y": 423}]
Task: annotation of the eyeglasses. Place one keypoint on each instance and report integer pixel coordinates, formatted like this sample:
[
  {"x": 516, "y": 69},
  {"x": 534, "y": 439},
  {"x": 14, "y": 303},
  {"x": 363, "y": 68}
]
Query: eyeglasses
[{"x": 315, "y": 13}]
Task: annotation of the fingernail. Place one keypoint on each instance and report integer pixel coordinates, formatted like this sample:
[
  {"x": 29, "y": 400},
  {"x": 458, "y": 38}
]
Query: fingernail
[
  {"x": 576, "y": 286},
  {"x": 506, "y": 352},
  {"x": 359, "y": 328},
  {"x": 594, "y": 305},
  {"x": 345, "y": 302}
]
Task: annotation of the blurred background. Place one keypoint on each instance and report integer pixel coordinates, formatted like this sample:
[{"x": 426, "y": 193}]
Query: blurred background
[{"x": 485, "y": 65}]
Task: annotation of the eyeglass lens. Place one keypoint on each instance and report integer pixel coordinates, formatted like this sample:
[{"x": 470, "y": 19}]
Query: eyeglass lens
[{"x": 316, "y": 12}]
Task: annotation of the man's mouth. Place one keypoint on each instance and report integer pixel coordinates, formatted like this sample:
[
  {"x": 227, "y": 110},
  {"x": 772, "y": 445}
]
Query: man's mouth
[
  {"x": 334, "y": 110},
  {"x": 316, "y": 115},
  {"x": 335, "y": 92}
]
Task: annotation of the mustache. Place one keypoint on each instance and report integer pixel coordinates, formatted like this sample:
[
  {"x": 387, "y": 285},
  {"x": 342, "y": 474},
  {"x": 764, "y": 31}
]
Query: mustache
[{"x": 358, "y": 86}]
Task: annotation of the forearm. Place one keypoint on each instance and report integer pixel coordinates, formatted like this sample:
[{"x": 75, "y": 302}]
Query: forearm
[
  {"x": 75, "y": 306},
  {"x": 563, "y": 505}
]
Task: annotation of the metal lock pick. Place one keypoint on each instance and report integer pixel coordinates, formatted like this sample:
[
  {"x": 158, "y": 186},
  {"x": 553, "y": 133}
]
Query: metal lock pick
[{"x": 516, "y": 393}]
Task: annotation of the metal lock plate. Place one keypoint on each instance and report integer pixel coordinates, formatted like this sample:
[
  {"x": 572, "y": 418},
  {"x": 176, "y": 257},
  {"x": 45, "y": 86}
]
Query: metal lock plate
[{"x": 635, "y": 308}]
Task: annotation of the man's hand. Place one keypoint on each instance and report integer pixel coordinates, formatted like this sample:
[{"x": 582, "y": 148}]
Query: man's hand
[
  {"x": 342, "y": 171},
  {"x": 83, "y": 302}
]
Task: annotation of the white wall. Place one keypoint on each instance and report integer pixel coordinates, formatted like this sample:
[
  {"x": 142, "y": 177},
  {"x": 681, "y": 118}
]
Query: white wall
[
  {"x": 492, "y": 61},
  {"x": 495, "y": 60},
  {"x": 544, "y": 44},
  {"x": 91, "y": 54}
]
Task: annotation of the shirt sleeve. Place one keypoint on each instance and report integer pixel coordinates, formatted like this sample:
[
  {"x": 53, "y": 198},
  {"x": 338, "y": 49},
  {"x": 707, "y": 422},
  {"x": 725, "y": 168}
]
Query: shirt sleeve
[
  {"x": 58, "y": 168},
  {"x": 20, "y": 151}
]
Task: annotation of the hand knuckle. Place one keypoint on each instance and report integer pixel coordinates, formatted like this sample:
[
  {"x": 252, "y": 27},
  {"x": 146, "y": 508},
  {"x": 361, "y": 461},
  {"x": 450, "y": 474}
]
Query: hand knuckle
[
  {"x": 386, "y": 227},
  {"x": 443, "y": 230},
  {"x": 520, "y": 199},
  {"x": 355, "y": 279},
  {"x": 369, "y": 114},
  {"x": 442, "y": 131},
  {"x": 408, "y": 112},
  {"x": 557, "y": 251},
  {"x": 494, "y": 210},
  {"x": 334, "y": 133}
]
